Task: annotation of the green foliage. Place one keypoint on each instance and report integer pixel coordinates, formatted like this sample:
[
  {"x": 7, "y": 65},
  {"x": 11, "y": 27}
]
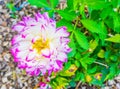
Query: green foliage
[
  {"x": 81, "y": 39},
  {"x": 39, "y": 3},
  {"x": 94, "y": 27},
  {"x": 115, "y": 38}
]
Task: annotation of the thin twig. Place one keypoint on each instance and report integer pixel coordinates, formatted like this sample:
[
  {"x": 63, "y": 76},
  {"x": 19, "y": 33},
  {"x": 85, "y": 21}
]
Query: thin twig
[
  {"x": 101, "y": 64},
  {"x": 78, "y": 85}
]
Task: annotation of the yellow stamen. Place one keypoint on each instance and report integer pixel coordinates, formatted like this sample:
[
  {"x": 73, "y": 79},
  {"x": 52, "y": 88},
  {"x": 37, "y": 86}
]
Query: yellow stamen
[{"x": 40, "y": 44}]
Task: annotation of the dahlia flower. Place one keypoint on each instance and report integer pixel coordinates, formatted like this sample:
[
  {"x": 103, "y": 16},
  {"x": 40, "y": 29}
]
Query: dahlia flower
[{"x": 40, "y": 47}]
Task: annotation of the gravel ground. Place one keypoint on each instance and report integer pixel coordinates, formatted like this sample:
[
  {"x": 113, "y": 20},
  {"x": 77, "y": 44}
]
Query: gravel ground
[{"x": 10, "y": 76}]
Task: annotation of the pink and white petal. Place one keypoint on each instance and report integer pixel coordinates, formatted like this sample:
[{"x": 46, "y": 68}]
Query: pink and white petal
[
  {"x": 18, "y": 27},
  {"x": 29, "y": 21},
  {"x": 53, "y": 23},
  {"x": 46, "y": 17},
  {"x": 37, "y": 71},
  {"x": 64, "y": 40},
  {"x": 46, "y": 53},
  {"x": 30, "y": 56},
  {"x": 61, "y": 32},
  {"x": 22, "y": 54},
  {"x": 16, "y": 39},
  {"x": 22, "y": 65},
  {"x": 62, "y": 56},
  {"x": 67, "y": 49},
  {"x": 59, "y": 63},
  {"x": 24, "y": 45},
  {"x": 38, "y": 17}
]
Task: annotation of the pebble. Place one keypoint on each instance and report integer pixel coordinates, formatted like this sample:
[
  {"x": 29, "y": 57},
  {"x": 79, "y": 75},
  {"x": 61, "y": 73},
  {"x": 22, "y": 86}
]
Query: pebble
[
  {"x": 4, "y": 79},
  {"x": 0, "y": 7},
  {"x": 118, "y": 85},
  {"x": 117, "y": 78},
  {"x": 0, "y": 21},
  {"x": 0, "y": 36},
  {"x": 5, "y": 43},
  {"x": 84, "y": 87},
  {"x": 21, "y": 13},
  {"x": 10, "y": 87},
  {"x": 3, "y": 87},
  {"x": 8, "y": 74},
  {"x": 1, "y": 49},
  {"x": 111, "y": 82},
  {"x": 6, "y": 57}
]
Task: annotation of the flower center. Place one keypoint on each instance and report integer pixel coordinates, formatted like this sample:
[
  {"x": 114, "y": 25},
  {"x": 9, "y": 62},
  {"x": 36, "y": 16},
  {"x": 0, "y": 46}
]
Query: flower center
[{"x": 40, "y": 44}]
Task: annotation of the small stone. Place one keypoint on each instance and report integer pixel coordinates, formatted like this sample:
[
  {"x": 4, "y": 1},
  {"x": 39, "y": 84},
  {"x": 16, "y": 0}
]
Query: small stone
[
  {"x": 3, "y": 87},
  {"x": 0, "y": 36},
  {"x": 21, "y": 13},
  {"x": 111, "y": 82},
  {"x": 1, "y": 59},
  {"x": 8, "y": 74},
  {"x": 107, "y": 87},
  {"x": 10, "y": 87},
  {"x": 118, "y": 78},
  {"x": 118, "y": 85},
  {"x": 0, "y": 21},
  {"x": 5, "y": 43},
  {"x": 4, "y": 24},
  {"x": 29, "y": 81},
  {"x": 24, "y": 88},
  {"x": 0, "y": 42},
  {"x": 6, "y": 57},
  {"x": 84, "y": 87},
  {"x": 0, "y": 7},
  {"x": 1, "y": 49},
  {"x": 4, "y": 79},
  {"x": 26, "y": 84}
]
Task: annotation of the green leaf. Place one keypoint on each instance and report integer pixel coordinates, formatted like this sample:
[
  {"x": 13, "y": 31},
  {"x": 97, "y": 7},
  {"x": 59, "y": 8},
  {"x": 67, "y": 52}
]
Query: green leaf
[
  {"x": 11, "y": 7},
  {"x": 67, "y": 65},
  {"x": 109, "y": 22},
  {"x": 85, "y": 61},
  {"x": 106, "y": 12},
  {"x": 96, "y": 4},
  {"x": 84, "y": 64},
  {"x": 66, "y": 23},
  {"x": 76, "y": 4},
  {"x": 72, "y": 83},
  {"x": 81, "y": 39},
  {"x": 39, "y": 3},
  {"x": 112, "y": 73},
  {"x": 114, "y": 58},
  {"x": 78, "y": 55},
  {"x": 82, "y": 11},
  {"x": 54, "y": 3},
  {"x": 79, "y": 76},
  {"x": 115, "y": 38},
  {"x": 92, "y": 26},
  {"x": 92, "y": 70},
  {"x": 77, "y": 63},
  {"x": 67, "y": 15},
  {"x": 116, "y": 20},
  {"x": 103, "y": 33},
  {"x": 114, "y": 3},
  {"x": 101, "y": 53},
  {"x": 73, "y": 47},
  {"x": 70, "y": 4},
  {"x": 93, "y": 45}
]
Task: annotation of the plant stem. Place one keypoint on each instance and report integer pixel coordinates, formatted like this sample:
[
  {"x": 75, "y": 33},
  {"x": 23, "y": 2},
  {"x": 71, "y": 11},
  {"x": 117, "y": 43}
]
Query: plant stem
[
  {"x": 101, "y": 64},
  {"x": 77, "y": 20}
]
